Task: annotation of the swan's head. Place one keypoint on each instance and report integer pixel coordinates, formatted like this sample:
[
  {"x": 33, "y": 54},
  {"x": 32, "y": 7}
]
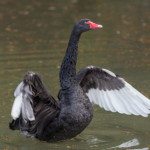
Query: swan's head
[{"x": 85, "y": 25}]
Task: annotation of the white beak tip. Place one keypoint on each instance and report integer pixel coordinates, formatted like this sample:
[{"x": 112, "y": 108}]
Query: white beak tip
[{"x": 100, "y": 26}]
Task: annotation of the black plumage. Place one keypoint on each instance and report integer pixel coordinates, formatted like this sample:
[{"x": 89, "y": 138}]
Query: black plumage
[
  {"x": 67, "y": 117},
  {"x": 36, "y": 113},
  {"x": 94, "y": 77}
]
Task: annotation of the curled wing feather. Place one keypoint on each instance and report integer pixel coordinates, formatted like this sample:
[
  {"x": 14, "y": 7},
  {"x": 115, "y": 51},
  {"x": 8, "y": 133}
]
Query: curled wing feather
[{"x": 112, "y": 92}]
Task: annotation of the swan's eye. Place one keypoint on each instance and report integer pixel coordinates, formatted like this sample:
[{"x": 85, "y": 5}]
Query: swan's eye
[{"x": 81, "y": 25}]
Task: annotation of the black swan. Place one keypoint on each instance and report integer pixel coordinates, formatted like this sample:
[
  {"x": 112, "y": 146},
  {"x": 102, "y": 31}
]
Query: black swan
[{"x": 37, "y": 114}]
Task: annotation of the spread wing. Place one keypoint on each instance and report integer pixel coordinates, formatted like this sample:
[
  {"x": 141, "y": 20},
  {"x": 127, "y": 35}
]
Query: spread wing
[
  {"x": 112, "y": 92},
  {"x": 33, "y": 107}
]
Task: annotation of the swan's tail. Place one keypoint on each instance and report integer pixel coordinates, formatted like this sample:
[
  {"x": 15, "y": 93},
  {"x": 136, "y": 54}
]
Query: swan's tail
[
  {"x": 33, "y": 108},
  {"x": 22, "y": 109},
  {"x": 26, "y": 95}
]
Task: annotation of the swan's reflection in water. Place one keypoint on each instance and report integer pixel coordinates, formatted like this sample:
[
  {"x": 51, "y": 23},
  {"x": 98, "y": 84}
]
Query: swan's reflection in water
[{"x": 129, "y": 144}]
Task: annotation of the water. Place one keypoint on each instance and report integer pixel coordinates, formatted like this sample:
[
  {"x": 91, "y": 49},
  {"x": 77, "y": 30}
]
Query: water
[{"x": 34, "y": 35}]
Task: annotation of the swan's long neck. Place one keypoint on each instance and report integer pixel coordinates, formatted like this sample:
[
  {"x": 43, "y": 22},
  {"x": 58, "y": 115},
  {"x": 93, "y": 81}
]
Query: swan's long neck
[{"x": 68, "y": 67}]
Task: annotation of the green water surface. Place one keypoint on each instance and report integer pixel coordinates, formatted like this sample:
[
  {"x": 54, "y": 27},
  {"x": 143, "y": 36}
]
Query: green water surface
[{"x": 34, "y": 36}]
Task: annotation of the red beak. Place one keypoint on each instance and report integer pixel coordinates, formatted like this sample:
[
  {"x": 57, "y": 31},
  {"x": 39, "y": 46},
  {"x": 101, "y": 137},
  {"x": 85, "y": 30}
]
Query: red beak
[{"x": 93, "y": 25}]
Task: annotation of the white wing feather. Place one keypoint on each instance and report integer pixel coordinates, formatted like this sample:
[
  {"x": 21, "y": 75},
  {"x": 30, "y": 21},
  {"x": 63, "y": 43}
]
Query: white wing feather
[
  {"x": 125, "y": 101},
  {"x": 16, "y": 108},
  {"x": 18, "y": 89},
  {"x": 22, "y": 103}
]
